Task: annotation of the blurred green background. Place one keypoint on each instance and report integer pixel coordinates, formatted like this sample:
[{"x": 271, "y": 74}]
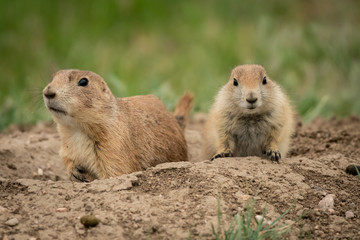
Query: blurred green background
[{"x": 312, "y": 48}]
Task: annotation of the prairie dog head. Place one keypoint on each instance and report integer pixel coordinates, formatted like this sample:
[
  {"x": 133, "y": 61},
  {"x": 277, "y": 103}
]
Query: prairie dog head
[
  {"x": 77, "y": 97},
  {"x": 251, "y": 88}
]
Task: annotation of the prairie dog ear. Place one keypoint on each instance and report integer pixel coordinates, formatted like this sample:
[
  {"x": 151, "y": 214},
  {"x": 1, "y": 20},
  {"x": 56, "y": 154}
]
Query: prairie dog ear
[{"x": 106, "y": 90}]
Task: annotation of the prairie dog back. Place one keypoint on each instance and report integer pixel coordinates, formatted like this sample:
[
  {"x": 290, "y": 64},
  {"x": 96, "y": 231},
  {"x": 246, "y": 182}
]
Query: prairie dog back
[{"x": 251, "y": 116}]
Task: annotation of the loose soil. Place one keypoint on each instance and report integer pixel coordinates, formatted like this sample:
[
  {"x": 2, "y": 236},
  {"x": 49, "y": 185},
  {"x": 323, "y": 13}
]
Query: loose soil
[{"x": 180, "y": 200}]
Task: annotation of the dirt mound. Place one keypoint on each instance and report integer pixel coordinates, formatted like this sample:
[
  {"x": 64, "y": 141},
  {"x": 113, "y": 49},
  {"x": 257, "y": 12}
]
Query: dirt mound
[{"x": 179, "y": 200}]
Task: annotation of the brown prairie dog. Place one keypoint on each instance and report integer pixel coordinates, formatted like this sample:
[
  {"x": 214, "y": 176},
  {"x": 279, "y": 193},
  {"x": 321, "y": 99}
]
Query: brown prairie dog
[
  {"x": 103, "y": 136},
  {"x": 251, "y": 116}
]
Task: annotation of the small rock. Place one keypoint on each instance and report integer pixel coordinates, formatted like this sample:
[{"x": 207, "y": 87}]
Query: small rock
[
  {"x": 89, "y": 221},
  {"x": 331, "y": 211},
  {"x": 12, "y": 222},
  {"x": 40, "y": 172},
  {"x": 32, "y": 238},
  {"x": 327, "y": 203},
  {"x": 351, "y": 169},
  {"x": 259, "y": 218},
  {"x": 349, "y": 214},
  {"x": 61, "y": 209},
  {"x": 5, "y": 237},
  {"x": 268, "y": 222}
]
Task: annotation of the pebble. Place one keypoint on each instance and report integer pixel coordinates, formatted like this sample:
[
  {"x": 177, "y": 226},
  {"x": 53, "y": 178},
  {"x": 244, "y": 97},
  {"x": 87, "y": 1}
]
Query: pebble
[
  {"x": 331, "y": 211},
  {"x": 61, "y": 209},
  {"x": 327, "y": 203},
  {"x": 259, "y": 218},
  {"x": 349, "y": 214},
  {"x": 12, "y": 222},
  {"x": 40, "y": 172},
  {"x": 89, "y": 221}
]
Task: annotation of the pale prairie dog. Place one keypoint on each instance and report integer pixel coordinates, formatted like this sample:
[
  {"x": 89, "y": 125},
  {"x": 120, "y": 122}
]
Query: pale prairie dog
[
  {"x": 103, "y": 136},
  {"x": 251, "y": 116}
]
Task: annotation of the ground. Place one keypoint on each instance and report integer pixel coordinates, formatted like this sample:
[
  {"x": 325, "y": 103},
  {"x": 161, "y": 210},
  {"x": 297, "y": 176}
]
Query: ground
[{"x": 179, "y": 200}]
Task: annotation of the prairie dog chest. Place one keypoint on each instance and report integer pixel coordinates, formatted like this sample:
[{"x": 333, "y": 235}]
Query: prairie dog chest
[
  {"x": 249, "y": 135},
  {"x": 79, "y": 148}
]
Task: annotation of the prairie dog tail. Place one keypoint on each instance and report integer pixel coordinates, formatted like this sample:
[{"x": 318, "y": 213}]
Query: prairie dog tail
[{"x": 183, "y": 108}]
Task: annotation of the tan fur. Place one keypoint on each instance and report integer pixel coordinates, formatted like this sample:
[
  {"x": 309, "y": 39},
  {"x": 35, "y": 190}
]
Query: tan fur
[
  {"x": 232, "y": 129},
  {"x": 183, "y": 108},
  {"x": 103, "y": 136}
]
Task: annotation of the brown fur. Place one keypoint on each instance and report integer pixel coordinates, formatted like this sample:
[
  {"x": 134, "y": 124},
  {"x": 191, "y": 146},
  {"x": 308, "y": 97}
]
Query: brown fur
[
  {"x": 238, "y": 128},
  {"x": 103, "y": 136}
]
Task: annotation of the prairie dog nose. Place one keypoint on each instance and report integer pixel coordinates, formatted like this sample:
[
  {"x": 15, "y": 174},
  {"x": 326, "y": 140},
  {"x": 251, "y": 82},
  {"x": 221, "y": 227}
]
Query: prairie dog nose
[
  {"x": 251, "y": 98},
  {"x": 49, "y": 94}
]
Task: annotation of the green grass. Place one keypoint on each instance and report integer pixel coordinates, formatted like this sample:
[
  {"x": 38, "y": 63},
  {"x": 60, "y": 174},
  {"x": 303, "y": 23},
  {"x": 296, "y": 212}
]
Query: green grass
[
  {"x": 245, "y": 226},
  {"x": 168, "y": 47},
  {"x": 357, "y": 171}
]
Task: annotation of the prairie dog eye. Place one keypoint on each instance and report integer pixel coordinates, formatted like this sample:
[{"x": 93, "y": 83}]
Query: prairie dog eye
[
  {"x": 83, "y": 82},
  {"x": 264, "y": 81},
  {"x": 235, "y": 82}
]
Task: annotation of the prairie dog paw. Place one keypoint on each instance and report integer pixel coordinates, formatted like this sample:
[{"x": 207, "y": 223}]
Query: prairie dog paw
[
  {"x": 222, "y": 155},
  {"x": 273, "y": 155},
  {"x": 80, "y": 174}
]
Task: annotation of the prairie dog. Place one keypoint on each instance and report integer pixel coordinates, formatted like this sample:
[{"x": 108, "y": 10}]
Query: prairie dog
[
  {"x": 103, "y": 136},
  {"x": 251, "y": 116}
]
